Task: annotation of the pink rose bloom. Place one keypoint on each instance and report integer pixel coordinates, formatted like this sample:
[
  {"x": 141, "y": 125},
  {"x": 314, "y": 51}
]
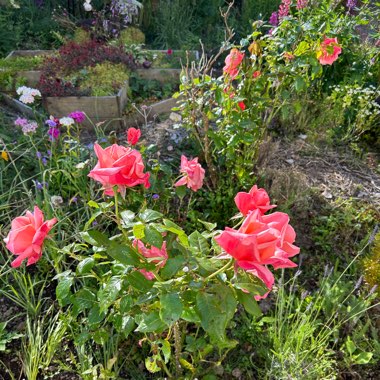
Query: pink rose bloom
[
  {"x": 232, "y": 63},
  {"x": 133, "y": 136},
  {"x": 193, "y": 172},
  {"x": 158, "y": 256},
  {"x": 119, "y": 166},
  {"x": 259, "y": 242},
  {"x": 27, "y": 235},
  {"x": 329, "y": 51},
  {"x": 256, "y": 199}
]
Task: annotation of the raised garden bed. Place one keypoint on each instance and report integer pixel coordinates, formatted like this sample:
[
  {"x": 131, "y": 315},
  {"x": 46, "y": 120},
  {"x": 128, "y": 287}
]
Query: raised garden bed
[
  {"x": 103, "y": 108},
  {"x": 97, "y": 108},
  {"x": 31, "y": 76}
]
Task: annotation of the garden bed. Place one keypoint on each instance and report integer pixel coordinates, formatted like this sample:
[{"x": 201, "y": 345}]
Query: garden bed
[
  {"x": 97, "y": 108},
  {"x": 31, "y": 76}
]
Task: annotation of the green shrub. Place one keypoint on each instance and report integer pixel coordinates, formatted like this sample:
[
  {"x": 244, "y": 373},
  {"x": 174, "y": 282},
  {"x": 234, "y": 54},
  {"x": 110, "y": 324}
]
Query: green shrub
[
  {"x": 104, "y": 78},
  {"x": 132, "y": 35}
]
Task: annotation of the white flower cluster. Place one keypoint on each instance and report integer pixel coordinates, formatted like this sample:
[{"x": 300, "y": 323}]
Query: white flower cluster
[{"x": 27, "y": 94}]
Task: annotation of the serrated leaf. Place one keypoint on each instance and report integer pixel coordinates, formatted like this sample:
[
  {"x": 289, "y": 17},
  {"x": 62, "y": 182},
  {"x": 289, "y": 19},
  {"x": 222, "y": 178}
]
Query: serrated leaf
[
  {"x": 249, "y": 303},
  {"x": 139, "y": 282},
  {"x": 85, "y": 265},
  {"x": 150, "y": 322},
  {"x": 199, "y": 243},
  {"x": 172, "y": 266},
  {"x": 62, "y": 290},
  {"x": 153, "y": 237},
  {"x": 150, "y": 215},
  {"x": 95, "y": 238},
  {"x": 171, "y": 308},
  {"x": 172, "y": 227},
  {"x": 84, "y": 299},
  {"x": 95, "y": 316},
  {"x": 124, "y": 254},
  {"x": 108, "y": 294},
  {"x": 252, "y": 288},
  {"x": 209, "y": 226},
  {"x": 216, "y": 308}
]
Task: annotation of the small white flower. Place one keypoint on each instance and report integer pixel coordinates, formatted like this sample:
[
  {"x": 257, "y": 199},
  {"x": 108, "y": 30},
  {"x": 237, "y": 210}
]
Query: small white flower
[
  {"x": 56, "y": 200},
  {"x": 26, "y": 99},
  {"x": 67, "y": 121},
  {"x": 87, "y": 6},
  {"x": 81, "y": 165},
  {"x": 21, "y": 90}
]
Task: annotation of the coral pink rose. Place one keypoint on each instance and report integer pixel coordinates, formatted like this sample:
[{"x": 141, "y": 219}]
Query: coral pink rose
[
  {"x": 232, "y": 63},
  {"x": 158, "y": 256},
  {"x": 329, "y": 51},
  {"x": 27, "y": 235},
  {"x": 193, "y": 172},
  {"x": 119, "y": 166},
  {"x": 261, "y": 241},
  {"x": 256, "y": 199},
  {"x": 133, "y": 136}
]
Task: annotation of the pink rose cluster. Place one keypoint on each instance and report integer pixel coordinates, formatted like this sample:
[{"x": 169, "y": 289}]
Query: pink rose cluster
[
  {"x": 261, "y": 240},
  {"x": 193, "y": 174}
]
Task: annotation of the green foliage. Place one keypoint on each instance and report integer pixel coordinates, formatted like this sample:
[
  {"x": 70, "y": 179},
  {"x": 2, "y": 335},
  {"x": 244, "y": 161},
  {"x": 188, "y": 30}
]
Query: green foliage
[
  {"x": 150, "y": 89},
  {"x": 306, "y": 328},
  {"x": 10, "y": 70},
  {"x": 104, "y": 78},
  {"x": 6, "y": 337},
  {"x": 356, "y": 112},
  {"x": 81, "y": 35},
  {"x": 348, "y": 221},
  {"x": 27, "y": 27},
  {"x": 131, "y": 35}
]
